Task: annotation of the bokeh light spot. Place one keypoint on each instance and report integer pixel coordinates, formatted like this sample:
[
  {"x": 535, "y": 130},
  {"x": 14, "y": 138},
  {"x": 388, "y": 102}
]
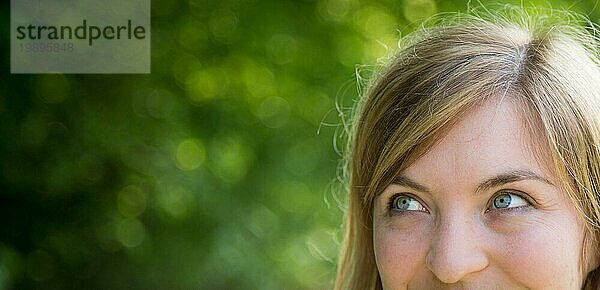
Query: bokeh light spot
[
  {"x": 259, "y": 80},
  {"x": 159, "y": 103},
  {"x": 131, "y": 201},
  {"x": 144, "y": 158},
  {"x": 53, "y": 88},
  {"x": 349, "y": 50},
  {"x": 223, "y": 25},
  {"x": 192, "y": 34},
  {"x": 322, "y": 245},
  {"x": 336, "y": 10},
  {"x": 294, "y": 196},
  {"x": 154, "y": 102},
  {"x": 34, "y": 128},
  {"x": 206, "y": 84},
  {"x": 176, "y": 201},
  {"x": 383, "y": 48},
  {"x": 231, "y": 159},
  {"x": 190, "y": 154},
  {"x": 303, "y": 157},
  {"x": 91, "y": 168},
  {"x": 379, "y": 28},
  {"x": 274, "y": 112},
  {"x": 261, "y": 221},
  {"x": 415, "y": 10},
  {"x": 282, "y": 48},
  {"x": 296, "y": 248},
  {"x": 374, "y": 22},
  {"x": 106, "y": 235},
  {"x": 314, "y": 107},
  {"x": 184, "y": 66},
  {"x": 130, "y": 232}
]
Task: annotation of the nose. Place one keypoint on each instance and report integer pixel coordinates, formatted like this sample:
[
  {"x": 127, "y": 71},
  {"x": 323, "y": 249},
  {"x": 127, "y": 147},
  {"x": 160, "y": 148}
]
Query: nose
[{"x": 456, "y": 250}]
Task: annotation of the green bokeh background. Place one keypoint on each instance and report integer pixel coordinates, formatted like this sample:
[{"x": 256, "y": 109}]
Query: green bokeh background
[{"x": 217, "y": 171}]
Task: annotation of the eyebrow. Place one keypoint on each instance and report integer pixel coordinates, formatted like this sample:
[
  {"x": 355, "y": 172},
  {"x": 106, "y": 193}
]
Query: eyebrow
[{"x": 492, "y": 182}]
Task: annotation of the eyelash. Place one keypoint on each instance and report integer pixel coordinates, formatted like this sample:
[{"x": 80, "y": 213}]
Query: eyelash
[
  {"x": 526, "y": 197},
  {"x": 520, "y": 194},
  {"x": 390, "y": 203}
]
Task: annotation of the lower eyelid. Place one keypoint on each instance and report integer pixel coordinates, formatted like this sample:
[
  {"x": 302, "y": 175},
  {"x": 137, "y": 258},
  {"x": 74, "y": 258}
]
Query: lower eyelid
[
  {"x": 530, "y": 204},
  {"x": 518, "y": 194},
  {"x": 390, "y": 211},
  {"x": 405, "y": 213},
  {"x": 516, "y": 209},
  {"x": 509, "y": 211}
]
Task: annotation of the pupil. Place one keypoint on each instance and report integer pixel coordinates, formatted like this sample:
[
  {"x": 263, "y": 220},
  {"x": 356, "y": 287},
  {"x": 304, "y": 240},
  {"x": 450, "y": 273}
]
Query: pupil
[
  {"x": 404, "y": 202},
  {"x": 502, "y": 201}
]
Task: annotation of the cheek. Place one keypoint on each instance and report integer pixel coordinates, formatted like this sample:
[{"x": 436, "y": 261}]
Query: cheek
[
  {"x": 399, "y": 254},
  {"x": 542, "y": 255}
]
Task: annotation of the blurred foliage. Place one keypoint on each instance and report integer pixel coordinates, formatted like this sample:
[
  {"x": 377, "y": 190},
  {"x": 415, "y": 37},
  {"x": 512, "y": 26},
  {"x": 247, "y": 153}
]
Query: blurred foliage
[{"x": 216, "y": 171}]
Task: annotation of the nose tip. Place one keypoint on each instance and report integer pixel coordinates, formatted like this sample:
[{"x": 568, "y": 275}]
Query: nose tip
[
  {"x": 452, "y": 270},
  {"x": 455, "y": 254}
]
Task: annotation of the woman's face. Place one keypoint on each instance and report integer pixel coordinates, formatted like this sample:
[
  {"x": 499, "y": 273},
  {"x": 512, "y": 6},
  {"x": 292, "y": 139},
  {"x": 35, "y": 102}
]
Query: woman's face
[{"x": 478, "y": 212}]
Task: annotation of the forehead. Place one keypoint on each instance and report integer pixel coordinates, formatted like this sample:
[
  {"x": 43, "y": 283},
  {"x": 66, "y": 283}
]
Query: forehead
[{"x": 488, "y": 139}]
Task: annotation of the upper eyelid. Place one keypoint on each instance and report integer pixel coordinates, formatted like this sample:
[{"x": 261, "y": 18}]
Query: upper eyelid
[
  {"x": 519, "y": 193},
  {"x": 498, "y": 181},
  {"x": 407, "y": 189},
  {"x": 391, "y": 198}
]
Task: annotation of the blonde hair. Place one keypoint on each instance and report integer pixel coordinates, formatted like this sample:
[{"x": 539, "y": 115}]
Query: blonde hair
[{"x": 545, "y": 59}]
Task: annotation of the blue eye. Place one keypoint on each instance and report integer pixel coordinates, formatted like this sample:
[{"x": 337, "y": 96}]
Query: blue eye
[
  {"x": 403, "y": 202},
  {"x": 509, "y": 200}
]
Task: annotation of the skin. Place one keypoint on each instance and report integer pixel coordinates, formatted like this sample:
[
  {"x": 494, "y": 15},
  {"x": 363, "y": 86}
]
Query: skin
[{"x": 454, "y": 237}]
